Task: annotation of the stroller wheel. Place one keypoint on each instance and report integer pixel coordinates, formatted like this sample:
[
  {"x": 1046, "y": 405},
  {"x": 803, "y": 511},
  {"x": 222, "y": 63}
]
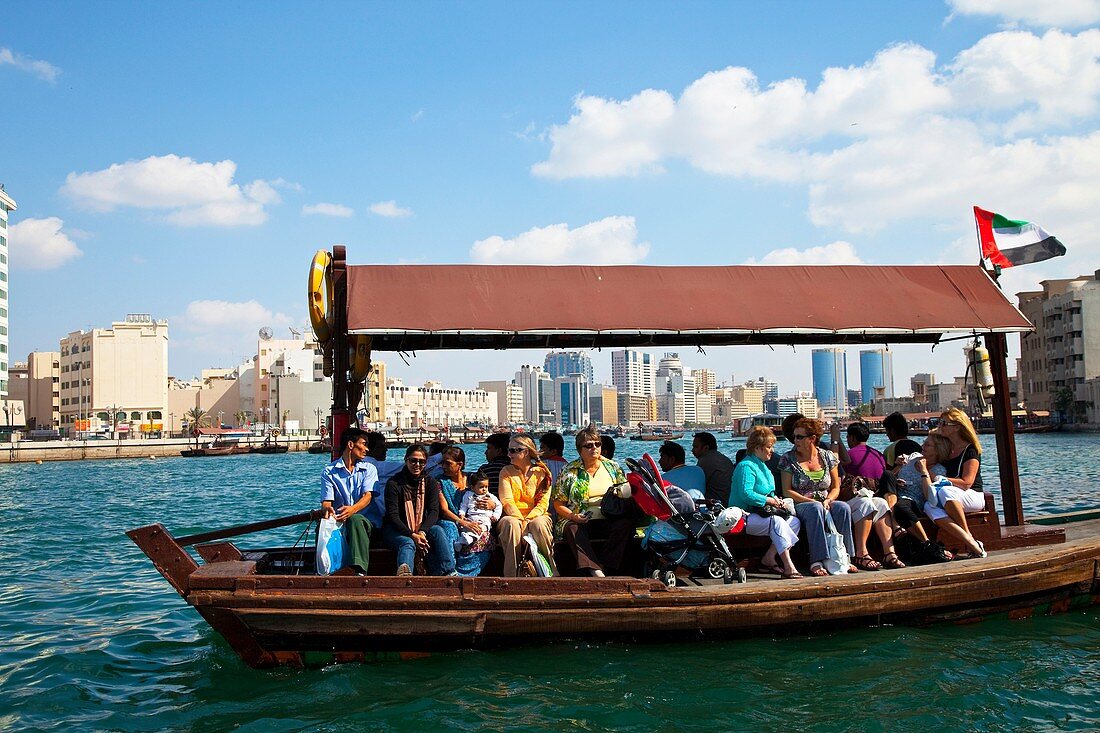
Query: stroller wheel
[
  {"x": 719, "y": 569},
  {"x": 668, "y": 577},
  {"x": 742, "y": 576}
]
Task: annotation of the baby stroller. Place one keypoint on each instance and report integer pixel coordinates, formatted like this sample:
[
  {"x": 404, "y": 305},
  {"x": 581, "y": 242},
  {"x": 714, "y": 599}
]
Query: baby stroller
[{"x": 692, "y": 541}]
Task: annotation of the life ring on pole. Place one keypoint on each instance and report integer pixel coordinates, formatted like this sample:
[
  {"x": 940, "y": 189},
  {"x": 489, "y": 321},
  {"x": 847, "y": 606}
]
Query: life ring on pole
[
  {"x": 322, "y": 313},
  {"x": 360, "y": 359}
]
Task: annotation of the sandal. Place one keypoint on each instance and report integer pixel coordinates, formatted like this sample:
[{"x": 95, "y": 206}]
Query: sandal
[
  {"x": 892, "y": 561},
  {"x": 866, "y": 562},
  {"x": 818, "y": 571},
  {"x": 793, "y": 575},
  {"x": 771, "y": 569}
]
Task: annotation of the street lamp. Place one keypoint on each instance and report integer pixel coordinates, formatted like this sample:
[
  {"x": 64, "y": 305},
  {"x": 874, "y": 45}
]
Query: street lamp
[{"x": 171, "y": 424}]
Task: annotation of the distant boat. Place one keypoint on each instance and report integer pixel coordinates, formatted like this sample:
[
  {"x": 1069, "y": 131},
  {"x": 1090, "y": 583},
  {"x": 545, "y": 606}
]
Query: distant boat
[
  {"x": 224, "y": 442},
  {"x": 270, "y": 448},
  {"x": 657, "y": 436},
  {"x": 742, "y": 427}
]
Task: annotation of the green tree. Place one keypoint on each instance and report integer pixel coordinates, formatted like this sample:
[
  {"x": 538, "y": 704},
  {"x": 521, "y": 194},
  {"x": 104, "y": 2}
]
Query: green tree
[
  {"x": 241, "y": 417},
  {"x": 1062, "y": 399},
  {"x": 197, "y": 418}
]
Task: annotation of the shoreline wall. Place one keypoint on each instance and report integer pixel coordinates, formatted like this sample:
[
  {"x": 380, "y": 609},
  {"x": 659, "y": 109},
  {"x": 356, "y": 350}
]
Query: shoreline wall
[{"x": 80, "y": 450}]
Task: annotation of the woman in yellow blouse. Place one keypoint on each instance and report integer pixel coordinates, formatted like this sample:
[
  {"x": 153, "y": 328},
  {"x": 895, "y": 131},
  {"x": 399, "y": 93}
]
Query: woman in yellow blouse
[{"x": 525, "y": 495}]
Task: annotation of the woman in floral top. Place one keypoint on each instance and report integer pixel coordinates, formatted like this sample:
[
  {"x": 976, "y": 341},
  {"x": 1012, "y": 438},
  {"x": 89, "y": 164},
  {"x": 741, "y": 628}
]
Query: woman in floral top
[
  {"x": 577, "y": 494},
  {"x": 811, "y": 479}
]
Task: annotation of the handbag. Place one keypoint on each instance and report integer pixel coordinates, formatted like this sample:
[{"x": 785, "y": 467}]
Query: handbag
[
  {"x": 837, "y": 561},
  {"x": 770, "y": 510},
  {"x": 852, "y": 485},
  {"x": 613, "y": 505},
  {"x": 331, "y": 546}
]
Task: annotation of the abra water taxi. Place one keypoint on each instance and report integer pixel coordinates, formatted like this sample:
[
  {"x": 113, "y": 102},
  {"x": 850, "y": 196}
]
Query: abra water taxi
[{"x": 273, "y": 610}]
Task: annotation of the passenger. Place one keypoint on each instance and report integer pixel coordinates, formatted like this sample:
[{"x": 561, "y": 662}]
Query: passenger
[
  {"x": 351, "y": 493},
  {"x": 914, "y": 483},
  {"x": 716, "y": 467},
  {"x": 788, "y": 433},
  {"x": 897, "y": 432},
  {"x": 452, "y": 487},
  {"x": 607, "y": 447},
  {"x": 525, "y": 494},
  {"x": 577, "y": 497},
  {"x": 860, "y": 459},
  {"x": 964, "y": 472},
  {"x": 376, "y": 456},
  {"x": 689, "y": 478},
  {"x": 496, "y": 455},
  {"x": 811, "y": 479},
  {"x": 412, "y": 518},
  {"x": 552, "y": 448},
  {"x": 436, "y": 449},
  {"x": 472, "y": 510},
  {"x": 753, "y": 489}
]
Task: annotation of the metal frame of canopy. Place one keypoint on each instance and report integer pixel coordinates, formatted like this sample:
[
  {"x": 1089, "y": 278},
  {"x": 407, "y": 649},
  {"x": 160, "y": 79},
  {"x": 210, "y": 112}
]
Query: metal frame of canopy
[{"x": 631, "y": 306}]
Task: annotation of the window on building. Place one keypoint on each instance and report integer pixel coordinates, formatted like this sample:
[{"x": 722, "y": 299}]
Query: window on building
[
  {"x": 3, "y": 276},
  {"x": 120, "y": 416},
  {"x": 155, "y": 415},
  {"x": 3, "y": 330},
  {"x": 3, "y": 312},
  {"x": 135, "y": 416},
  {"x": 103, "y": 415},
  {"x": 3, "y": 293},
  {"x": 3, "y": 259}
]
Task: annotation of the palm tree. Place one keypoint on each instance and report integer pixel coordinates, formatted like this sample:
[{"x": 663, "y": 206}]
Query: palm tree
[
  {"x": 197, "y": 418},
  {"x": 240, "y": 416}
]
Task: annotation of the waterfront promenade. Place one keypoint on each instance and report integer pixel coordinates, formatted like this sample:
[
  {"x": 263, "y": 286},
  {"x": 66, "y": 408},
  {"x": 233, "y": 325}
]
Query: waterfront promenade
[{"x": 78, "y": 450}]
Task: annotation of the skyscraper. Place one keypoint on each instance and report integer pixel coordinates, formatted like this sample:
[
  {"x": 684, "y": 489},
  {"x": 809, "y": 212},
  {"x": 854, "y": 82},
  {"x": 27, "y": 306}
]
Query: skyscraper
[
  {"x": 675, "y": 392},
  {"x": 6, "y": 205},
  {"x": 573, "y": 400},
  {"x": 632, "y": 372},
  {"x": 830, "y": 373},
  {"x": 770, "y": 390},
  {"x": 528, "y": 378},
  {"x": 564, "y": 363},
  {"x": 876, "y": 369}
]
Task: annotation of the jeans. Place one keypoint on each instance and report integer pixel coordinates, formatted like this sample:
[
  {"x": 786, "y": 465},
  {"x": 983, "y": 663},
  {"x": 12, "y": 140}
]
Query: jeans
[
  {"x": 812, "y": 516},
  {"x": 441, "y": 553}
]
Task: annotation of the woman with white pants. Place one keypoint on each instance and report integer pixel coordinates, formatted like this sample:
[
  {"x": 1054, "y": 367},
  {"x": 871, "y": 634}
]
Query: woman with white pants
[
  {"x": 963, "y": 468},
  {"x": 752, "y": 489}
]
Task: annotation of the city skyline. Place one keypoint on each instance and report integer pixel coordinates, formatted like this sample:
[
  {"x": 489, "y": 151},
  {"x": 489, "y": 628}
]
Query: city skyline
[{"x": 389, "y": 132}]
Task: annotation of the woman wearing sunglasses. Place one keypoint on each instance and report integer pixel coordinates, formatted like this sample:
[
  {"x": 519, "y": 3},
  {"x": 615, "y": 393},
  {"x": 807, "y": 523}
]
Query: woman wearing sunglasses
[
  {"x": 577, "y": 494},
  {"x": 811, "y": 479},
  {"x": 412, "y": 525},
  {"x": 964, "y": 472},
  {"x": 524, "y": 492}
]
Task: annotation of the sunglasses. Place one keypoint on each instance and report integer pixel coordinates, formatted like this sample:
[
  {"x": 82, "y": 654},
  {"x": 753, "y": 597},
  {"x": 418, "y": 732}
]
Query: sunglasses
[
  {"x": 591, "y": 445},
  {"x": 512, "y": 451},
  {"x": 416, "y": 461},
  {"x": 802, "y": 436}
]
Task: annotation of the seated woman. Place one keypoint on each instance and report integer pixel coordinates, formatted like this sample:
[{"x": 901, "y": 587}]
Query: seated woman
[
  {"x": 524, "y": 490},
  {"x": 963, "y": 470},
  {"x": 472, "y": 559},
  {"x": 577, "y": 495},
  {"x": 915, "y": 485},
  {"x": 860, "y": 459},
  {"x": 754, "y": 488},
  {"x": 412, "y": 526},
  {"x": 811, "y": 479}
]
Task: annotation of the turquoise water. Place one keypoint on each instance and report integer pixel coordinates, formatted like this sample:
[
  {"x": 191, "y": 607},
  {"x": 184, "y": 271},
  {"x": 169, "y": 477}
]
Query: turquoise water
[{"x": 94, "y": 639}]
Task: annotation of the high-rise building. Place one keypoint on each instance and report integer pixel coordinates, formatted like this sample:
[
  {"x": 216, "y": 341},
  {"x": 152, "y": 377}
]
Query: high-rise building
[
  {"x": 705, "y": 380},
  {"x": 876, "y": 369},
  {"x": 632, "y": 372},
  {"x": 803, "y": 403},
  {"x": 6, "y": 204},
  {"x": 770, "y": 390},
  {"x": 529, "y": 378},
  {"x": 830, "y": 376},
  {"x": 636, "y": 408},
  {"x": 604, "y": 405},
  {"x": 751, "y": 397},
  {"x": 573, "y": 398},
  {"x": 548, "y": 405},
  {"x": 43, "y": 390},
  {"x": 1063, "y": 353},
  {"x": 508, "y": 399},
  {"x": 564, "y": 363},
  {"x": 115, "y": 379},
  {"x": 675, "y": 392}
]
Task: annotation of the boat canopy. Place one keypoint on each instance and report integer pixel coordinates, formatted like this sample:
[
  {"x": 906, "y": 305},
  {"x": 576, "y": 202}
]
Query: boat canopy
[{"x": 416, "y": 307}]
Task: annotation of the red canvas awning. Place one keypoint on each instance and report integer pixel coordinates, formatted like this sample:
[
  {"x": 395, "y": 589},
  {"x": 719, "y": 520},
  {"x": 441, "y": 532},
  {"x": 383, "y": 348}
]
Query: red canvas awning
[{"x": 413, "y": 307}]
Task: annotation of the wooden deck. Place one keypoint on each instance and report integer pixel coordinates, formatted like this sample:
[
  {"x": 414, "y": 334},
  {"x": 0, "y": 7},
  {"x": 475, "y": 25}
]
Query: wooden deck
[{"x": 276, "y": 619}]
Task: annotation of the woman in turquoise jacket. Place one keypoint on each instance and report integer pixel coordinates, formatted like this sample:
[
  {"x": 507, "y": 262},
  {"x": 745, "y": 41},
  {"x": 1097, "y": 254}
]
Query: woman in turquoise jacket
[{"x": 753, "y": 489}]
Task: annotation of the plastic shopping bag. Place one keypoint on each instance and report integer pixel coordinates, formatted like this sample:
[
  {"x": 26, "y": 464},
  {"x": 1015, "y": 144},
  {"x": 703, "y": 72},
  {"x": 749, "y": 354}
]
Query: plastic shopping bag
[
  {"x": 837, "y": 562},
  {"x": 542, "y": 565},
  {"x": 331, "y": 546}
]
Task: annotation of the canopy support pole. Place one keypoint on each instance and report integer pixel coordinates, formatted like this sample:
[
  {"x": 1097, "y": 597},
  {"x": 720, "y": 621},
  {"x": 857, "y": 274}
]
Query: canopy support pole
[
  {"x": 341, "y": 411},
  {"x": 1011, "y": 499}
]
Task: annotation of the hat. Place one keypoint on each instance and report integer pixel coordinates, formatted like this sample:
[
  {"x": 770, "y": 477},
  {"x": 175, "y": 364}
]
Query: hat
[{"x": 729, "y": 520}]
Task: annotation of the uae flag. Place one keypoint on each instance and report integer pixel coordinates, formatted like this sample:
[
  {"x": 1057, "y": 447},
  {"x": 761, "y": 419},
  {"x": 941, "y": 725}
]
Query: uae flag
[{"x": 1010, "y": 242}]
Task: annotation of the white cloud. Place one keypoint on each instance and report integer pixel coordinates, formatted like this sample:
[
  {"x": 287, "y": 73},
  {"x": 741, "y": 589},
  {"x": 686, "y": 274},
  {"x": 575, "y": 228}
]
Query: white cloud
[
  {"x": 610, "y": 241},
  {"x": 324, "y": 209},
  {"x": 39, "y": 244},
  {"x": 835, "y": 253},
  {"x": 42, "y": 69},
  {"x": 415, "y": 117},
  {"x": 390, "y": 210},
  {"x": 1059, "y": 13},
  {"x": 218, "y": 329},
  {"x": 192, "y": 193},
  {"x": 896, "y": 138}
]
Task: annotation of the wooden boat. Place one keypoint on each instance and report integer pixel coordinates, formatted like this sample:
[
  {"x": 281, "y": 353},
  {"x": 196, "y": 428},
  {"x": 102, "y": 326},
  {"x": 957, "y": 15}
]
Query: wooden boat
[
  {"x": 273, "y": 611},
  {"x": 225, "y": 442},
  {"x": 656, "y": 436},
  {"x": 270, "y": 448},
  {"x": 742, "y": 427}
]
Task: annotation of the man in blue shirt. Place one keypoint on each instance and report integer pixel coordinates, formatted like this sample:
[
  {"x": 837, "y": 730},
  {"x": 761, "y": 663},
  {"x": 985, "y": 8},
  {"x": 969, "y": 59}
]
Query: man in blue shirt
[
  {"x": 673, "y": 469},
  {"x": 351, "y": 492}
]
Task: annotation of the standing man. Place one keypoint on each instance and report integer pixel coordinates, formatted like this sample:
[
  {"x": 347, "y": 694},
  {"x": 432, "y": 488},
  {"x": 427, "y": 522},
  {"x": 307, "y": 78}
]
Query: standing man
[
  {"x": 496, "y": 453},
  {"x": 674, "y": 470},
  {"x": 716, "y": 467},
  {"x": 351, "y": 492}
]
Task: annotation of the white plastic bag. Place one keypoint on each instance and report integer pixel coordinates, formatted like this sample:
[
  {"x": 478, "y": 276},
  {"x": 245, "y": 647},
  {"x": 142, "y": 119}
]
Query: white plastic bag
[
  {"x": 837, "y": 561},
  {"x": 542, "y": 565},
  {"x": 331, "y": 546}
]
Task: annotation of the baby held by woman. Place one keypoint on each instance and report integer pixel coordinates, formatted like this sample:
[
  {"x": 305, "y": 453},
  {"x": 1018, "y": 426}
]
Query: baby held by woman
[{"x": 484, "y": 517}]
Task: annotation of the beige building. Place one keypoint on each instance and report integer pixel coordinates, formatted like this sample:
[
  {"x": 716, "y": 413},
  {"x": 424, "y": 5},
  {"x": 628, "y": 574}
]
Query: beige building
[
  {"x": 636, "y": 408},
  {"x": 604, "y": 404},
  {"x": 751, "y": 397},
  {"x": 293, "y": 356},
  {"x": 6, "y": 204},
  {"x": 216, "y": 393},
  {"x": 115, "y": 379},
  {"x": 411, "y": 408},
  {"x": 39, "y": 386},
  {"x": 508, "y": 398},
  {"x": 1063, "y": 352},
  {"x": 704, "y": 408},
  {"x": 705, "y": 381}
]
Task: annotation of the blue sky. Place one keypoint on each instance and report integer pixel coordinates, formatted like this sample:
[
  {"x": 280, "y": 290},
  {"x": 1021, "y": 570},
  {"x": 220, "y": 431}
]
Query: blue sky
[{"x": 186, "y": 160}]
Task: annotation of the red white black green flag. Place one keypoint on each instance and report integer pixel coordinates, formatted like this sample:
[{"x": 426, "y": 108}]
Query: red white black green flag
[{"x": 1010, "y": 242}]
